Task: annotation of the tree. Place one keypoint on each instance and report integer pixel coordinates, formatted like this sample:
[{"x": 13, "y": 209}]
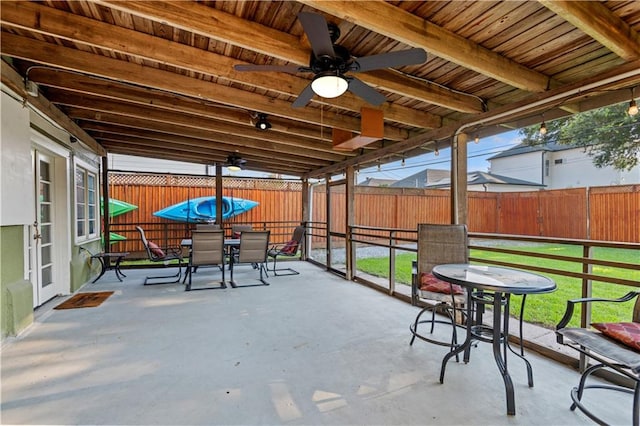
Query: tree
[{"x": 609, "y": 135}]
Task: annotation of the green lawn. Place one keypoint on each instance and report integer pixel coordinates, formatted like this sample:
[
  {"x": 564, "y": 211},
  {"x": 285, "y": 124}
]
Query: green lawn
[{"x": 544, "y": 309}]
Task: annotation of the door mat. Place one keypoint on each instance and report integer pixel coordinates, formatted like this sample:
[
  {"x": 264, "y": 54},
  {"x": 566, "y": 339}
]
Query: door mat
[{"x": 85, "y": 300}]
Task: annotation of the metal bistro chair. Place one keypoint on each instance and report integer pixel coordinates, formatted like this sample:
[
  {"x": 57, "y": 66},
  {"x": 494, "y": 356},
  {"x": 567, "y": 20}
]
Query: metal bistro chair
[
  {"x": 253, "y": 249},
  {"x": 207, "y": 249},
  {"x": 613, "y": 346},
  {"x": 157, "y": 254},
  {"x": 438, "y": 244},
  {"x": 290, "y": 249}
]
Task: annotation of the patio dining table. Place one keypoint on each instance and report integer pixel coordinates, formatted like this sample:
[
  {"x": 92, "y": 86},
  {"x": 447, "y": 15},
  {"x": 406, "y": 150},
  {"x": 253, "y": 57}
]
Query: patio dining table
[{"x": 492, "y": 286}]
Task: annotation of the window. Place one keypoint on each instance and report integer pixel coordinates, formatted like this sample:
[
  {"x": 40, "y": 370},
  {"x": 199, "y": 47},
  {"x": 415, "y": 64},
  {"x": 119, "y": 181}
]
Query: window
[
  {"x": 87, "y": 213},
  {"x": 559, "y": 161}
]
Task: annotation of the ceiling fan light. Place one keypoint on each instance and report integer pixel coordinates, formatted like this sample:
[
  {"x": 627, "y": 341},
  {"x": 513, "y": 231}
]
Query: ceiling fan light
[
  {"x": 234, "y": 168},
  {"x": 633, "y": 108},
  {"x": 329, "y": 85}
]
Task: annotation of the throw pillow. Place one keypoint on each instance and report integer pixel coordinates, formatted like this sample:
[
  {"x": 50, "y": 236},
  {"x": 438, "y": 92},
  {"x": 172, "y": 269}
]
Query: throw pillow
[
  {"x": 430, "y": 283},
  {"x": 625, "y": 332},
  {"x": 290, "y": 247},
  {"x": 155, "y": 249}
]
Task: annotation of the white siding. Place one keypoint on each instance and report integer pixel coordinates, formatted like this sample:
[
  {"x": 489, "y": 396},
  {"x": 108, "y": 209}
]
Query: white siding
[
  {"x": 527, "y": 167},
  {"x": 571, "y": 168}
]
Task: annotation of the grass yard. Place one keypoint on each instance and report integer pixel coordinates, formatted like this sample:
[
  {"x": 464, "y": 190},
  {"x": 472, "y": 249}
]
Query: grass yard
[{"x": 546, "y": 309}]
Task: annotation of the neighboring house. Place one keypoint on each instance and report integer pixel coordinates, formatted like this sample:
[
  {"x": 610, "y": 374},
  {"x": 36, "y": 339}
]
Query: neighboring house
[
  {"x": 50, "y": 209},
  {"x": 489, "y": 182},
  {"x": 476, "y": 181},
  {"x": 420, "y": 179},
  {"x": 558, "y": 166},
  {"x": 376, "y": 182}
]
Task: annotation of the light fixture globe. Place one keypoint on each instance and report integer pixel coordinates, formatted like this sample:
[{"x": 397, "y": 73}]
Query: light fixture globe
[
  {"x": 329, "y": 85},
  {"x": 633, "y": 108},
  {"x": 263, "y": 123},
  {"x": 234, "y": 163}
]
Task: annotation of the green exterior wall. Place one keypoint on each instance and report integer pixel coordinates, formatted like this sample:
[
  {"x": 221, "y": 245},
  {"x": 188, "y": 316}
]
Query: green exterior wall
[
  {"x": 82, "y": 267},
  {"x": 16, "y": 293}
]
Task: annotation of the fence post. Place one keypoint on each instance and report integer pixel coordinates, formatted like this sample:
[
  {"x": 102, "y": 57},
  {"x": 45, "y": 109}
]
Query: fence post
[
  {"x": 587, "y": 291},
  {"x": 392, "y": 262}
]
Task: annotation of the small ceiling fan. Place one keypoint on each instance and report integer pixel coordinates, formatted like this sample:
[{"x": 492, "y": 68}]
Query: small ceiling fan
[
  {"x": 330, "y": 62},
  {"x": 235, "y": 163}
]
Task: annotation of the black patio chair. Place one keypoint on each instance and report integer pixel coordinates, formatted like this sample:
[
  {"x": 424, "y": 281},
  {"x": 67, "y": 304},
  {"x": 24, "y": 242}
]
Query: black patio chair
[
  {"x": 289, "y": 249},
  {"x": 163, "y": 255}
]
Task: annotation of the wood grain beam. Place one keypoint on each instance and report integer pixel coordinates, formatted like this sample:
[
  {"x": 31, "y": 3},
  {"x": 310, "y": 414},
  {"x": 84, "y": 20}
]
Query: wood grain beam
[
  {"x": 113, "y": 69},
  {"x": 417, "y": 32},
  {"x": 219, "y": 25},
  {"x": 87, "y": 85},
  {"x": 596, "y": 20},
  {"x": 202, "y": 138},
  {"x": 185, "y": 120},
  {"x": 57, "y": 23}
]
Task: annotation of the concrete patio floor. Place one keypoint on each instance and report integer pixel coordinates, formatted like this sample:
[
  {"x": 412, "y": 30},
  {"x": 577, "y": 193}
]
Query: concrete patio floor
[{"x": 308, "y": 349}]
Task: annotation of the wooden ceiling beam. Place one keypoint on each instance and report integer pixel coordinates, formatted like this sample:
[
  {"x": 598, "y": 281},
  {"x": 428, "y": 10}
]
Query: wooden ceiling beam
[
  {"x": 417, "y": 32},
  {"x": 87, "y": 85},
  {"x": 97, "y": 65},
  {"x": 77, "y": 29},
  {"x": 204, "y": 147},
  {"x": 149, "y": 114},
  {"x": 219, "y": 25},
  {"x": 179, "y": 155},
  {"x": 216, "y": 140},
  {"x": 597, "y": 21}
]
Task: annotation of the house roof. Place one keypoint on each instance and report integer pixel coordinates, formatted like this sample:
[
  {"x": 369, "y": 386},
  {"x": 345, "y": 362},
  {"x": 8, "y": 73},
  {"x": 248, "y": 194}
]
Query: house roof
[
  {"x": 484, "y": 178},
  {"x": 524, "y": 148},
  {"x": 420, "y": 179},
  {"x": 377, "y": 182},
  {"x": 157, "y": 79}
]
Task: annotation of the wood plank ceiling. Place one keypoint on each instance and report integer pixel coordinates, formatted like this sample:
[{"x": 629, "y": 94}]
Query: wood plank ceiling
[{"x": 156, "y": 78}]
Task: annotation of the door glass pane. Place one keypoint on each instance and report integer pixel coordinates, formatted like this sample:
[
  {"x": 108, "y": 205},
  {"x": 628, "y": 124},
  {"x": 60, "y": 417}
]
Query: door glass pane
[
  {"x": 47, "y": 276},
  {"x": 46, "y": 254},
  {"x": 44, "y": 171},
  {"x": 45, "y": 213},
  {"x": 45, "y": 233},
  {"x": 45, "y": 192}
]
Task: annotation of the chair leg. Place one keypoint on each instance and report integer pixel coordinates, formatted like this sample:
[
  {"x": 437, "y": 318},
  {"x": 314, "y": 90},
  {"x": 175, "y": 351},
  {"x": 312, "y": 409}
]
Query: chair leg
[
  {"x": 277, "y": 272},
  {"x": 159, "y": 277}
]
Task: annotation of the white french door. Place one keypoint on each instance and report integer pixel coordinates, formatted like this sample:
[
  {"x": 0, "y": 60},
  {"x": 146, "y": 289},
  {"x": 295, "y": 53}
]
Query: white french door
[{"x": 42, "y": 243}]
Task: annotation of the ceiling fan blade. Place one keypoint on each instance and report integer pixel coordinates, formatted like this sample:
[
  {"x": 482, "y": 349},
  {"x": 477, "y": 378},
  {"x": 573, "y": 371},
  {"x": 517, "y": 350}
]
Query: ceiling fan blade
[
  {"x": 391, "y": 59},
  {"x": 304, "y": 97},
  {"x": 315, "y": 26},
  {"x": 291, "y": 69},
  {"x": 368, "y": 93}
]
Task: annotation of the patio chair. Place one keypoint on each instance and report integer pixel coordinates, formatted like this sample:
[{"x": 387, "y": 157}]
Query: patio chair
[
  {"x": 253, "y": 250},
  {"x": 207, "y": 227},
  {"x": 164, "y": 255},
  {"x": 207, "y": 249},
  {"x": 438, "y": 244},
  {"x": 289, "y": 249},
  {"x": 614, "y": 346}
]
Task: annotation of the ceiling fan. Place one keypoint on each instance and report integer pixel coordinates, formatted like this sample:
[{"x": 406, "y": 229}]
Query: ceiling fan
[
  {"x": 235, "y": 163},
  {"x": 330, "y": 62}
]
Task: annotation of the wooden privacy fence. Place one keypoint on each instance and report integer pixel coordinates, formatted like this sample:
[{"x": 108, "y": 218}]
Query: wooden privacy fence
[
  {"x": 279, "y": 201},
  {"x": 598, "y": 213}
]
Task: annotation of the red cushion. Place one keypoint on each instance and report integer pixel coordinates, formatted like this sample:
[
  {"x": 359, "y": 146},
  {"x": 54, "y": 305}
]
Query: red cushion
[
  {"x": 430, "y": 283},
  {"x": 155, "y": 249},
  {"x": 290, "y": 247},
  {"x": 625, "y": 332}
]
